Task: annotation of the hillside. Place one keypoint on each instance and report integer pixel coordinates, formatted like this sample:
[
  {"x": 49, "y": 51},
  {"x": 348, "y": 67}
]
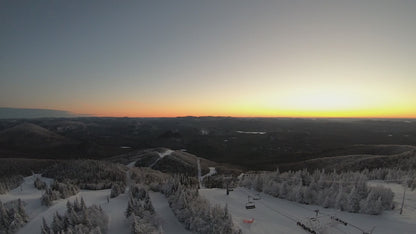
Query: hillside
[
  {"x": 30, "y": 141},
  {"x": 172, "y": 161},
  {"x": 31, "y": 136},
  {"x": 224, "y": 140},
  {"x": 374, "y": 156}
]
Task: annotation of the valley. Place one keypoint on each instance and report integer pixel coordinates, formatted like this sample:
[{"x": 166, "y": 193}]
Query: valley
[{"x": 357, "y": 184}]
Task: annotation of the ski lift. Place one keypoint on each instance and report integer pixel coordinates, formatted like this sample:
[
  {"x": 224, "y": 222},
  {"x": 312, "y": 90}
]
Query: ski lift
[{"x": 250, "y": 204}]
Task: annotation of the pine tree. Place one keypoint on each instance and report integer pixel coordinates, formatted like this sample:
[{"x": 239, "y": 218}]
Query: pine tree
[
  {"x": 45, "y": 228},
  {"x": 21, "y": 211},
  {"x": 83, "y": 206},
  {"x": 354, "y": 201},
  {"x": 4, "y": 217},
  {"x": 341, "y": 199}
]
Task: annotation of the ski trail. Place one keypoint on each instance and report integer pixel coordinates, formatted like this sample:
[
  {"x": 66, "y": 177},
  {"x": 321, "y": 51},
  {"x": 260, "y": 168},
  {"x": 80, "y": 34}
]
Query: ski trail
[
  {"x": 161, "y": 156},
  {"x": 211, "y": 172},
  {"x": 130, "y": 165},
  {"x": 169, "y": 222}
]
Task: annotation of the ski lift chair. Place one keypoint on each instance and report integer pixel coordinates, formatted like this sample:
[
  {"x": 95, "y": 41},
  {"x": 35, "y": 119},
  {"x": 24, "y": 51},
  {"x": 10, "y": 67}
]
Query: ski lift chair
[
  {"x": 257, "y": 196},
  {"x": 250, "y": 205}
]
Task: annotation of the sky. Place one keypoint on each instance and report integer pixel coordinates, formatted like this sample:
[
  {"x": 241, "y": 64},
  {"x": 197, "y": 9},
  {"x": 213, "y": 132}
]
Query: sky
[{"x": 167, "y": 58}]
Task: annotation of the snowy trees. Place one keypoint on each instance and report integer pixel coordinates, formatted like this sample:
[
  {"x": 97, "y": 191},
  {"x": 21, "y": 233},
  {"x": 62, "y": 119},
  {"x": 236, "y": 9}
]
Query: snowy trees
[
  {"x": 10, "y": 182},
  {"x": 12, "y": 216},
  {"x": 58, "y": 190},
  {"x": 88, "y": 174},
  {"x": 78, "y": 219},
  {"x": 353, "y": 200},
  {"x": 117, "y": 189},
  {"x": 345, "y": 191},
  {"x": 141, "y": 211},
  {"x": 39, "y": 184},
  {"x": 152, "y": 178},
  {"x": 194, "y": 211},
  {"x": 394, "y": 175}
]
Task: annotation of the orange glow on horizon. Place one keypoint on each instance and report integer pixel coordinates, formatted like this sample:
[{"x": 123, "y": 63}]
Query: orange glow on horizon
[{"x": 169, "y": 112}]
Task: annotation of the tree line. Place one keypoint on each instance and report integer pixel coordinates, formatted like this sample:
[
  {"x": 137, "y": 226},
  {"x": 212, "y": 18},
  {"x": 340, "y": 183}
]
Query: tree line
[
  {"x": 194, "y": 211},
  {"x": 347, "y": 191},
  {"x": 141, "y": 212},
  {"x": 12, "y": 216},
  {"x": 88, "y": 174},
  {"x": 78, "y": 219},
  {"x": 57, "y": 191}
]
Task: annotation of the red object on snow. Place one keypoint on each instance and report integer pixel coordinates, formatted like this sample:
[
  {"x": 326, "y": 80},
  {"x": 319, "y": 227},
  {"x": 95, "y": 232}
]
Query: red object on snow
[{"x": 248, "y": 220}]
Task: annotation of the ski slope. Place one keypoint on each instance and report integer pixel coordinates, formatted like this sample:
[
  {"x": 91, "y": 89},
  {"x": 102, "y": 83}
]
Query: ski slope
[
  {"x": 169, "y": 223},
  {"x": 31, "y": 196},
  {"x": 115, "y": 208},
  {"x": 273, "y": 215}
]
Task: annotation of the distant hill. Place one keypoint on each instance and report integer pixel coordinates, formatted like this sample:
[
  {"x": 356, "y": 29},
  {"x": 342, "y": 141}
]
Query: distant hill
[
  {"x": 172, "y": 161},
  {"x": 23, "y": 113},
  {"x": 362, "y": 157},
  {"x": 28, "y": 135}
]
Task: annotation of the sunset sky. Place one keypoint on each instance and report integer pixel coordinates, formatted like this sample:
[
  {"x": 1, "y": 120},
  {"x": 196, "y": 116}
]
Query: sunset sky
[{"x": 292, "y": 58}]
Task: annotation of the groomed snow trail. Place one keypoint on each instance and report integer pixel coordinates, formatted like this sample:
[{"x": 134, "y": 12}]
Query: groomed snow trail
[
  {"x": 117, "y": 221},
  {"x": 169, "y": 222}
]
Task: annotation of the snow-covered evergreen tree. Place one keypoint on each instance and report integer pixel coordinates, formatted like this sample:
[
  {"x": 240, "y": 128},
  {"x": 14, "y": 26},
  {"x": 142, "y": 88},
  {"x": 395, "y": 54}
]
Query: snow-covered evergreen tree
[
  {"x": 196, "y": 212},
  {"x": 117, "y": 189},
  {"x": 345, "y": 191},
  {"x": 141, "y": 212},
  {"x": 78, "y": 218},
  {"x": 39, "y": 184},
  {"x": 57, "y": 191},
  {"x": 12, "y": 216}
]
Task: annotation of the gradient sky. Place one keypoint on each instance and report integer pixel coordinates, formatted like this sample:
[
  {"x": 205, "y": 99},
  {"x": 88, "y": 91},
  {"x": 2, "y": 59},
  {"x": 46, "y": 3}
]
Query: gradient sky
[{"x": 354, "y": 58}]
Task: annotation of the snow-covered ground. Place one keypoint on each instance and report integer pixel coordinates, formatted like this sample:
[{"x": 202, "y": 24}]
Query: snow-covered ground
[
  {"x": 115, "y": 208},
  {"x": 409, "y": 208},
  {"x": 31, "y": 196},
  {"x": 273, "y": 215},
  {"x": 170, "y": 224}
]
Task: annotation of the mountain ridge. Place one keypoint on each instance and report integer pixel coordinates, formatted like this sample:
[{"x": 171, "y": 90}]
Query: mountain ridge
[{"x": 30, "y": 113}]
